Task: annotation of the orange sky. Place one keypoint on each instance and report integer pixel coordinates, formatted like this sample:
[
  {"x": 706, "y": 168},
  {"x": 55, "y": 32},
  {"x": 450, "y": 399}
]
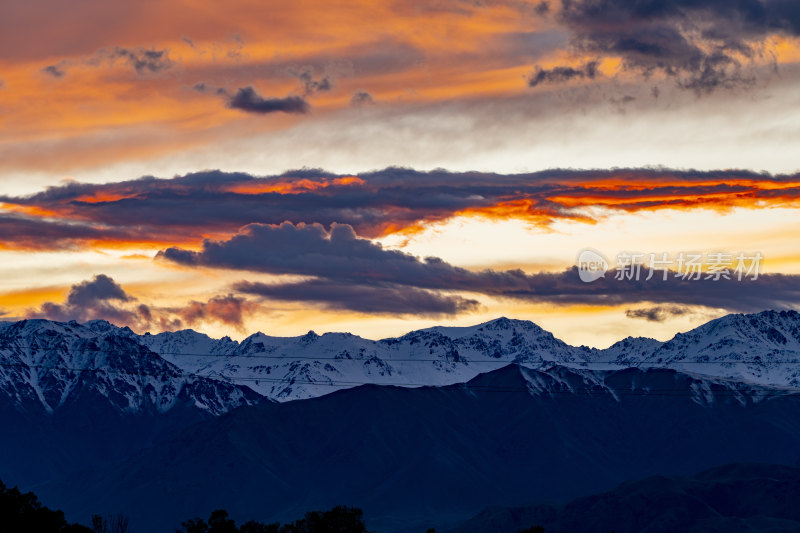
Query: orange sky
[{"x": 104, "y": 93}]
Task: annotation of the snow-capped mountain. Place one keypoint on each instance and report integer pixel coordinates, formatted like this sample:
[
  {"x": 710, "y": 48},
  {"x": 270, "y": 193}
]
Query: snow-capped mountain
[
  {"x": 288, "y": 368},
  {"x": 47, "y": 361},
  {"x": 48, "y": 365},
  {"x": 760, "y": 348}
]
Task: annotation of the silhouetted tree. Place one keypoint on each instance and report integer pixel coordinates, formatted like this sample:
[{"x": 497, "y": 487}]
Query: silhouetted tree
[
  {"x": 194, "y": 525},
  {"x": 340, "y": 519},
  {"x": 110, "y": 524},
  {"x": 24, "y": 512},
  {"x": 256, "y": 527},
  {"x": 220, "y": 522}
]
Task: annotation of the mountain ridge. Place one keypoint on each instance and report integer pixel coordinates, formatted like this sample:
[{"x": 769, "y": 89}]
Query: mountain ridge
[{"x": 761, "y": 348}]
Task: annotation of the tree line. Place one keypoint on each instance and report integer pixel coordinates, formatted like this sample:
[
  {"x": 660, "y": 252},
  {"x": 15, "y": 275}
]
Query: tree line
[{"x": 23, "y": 512}]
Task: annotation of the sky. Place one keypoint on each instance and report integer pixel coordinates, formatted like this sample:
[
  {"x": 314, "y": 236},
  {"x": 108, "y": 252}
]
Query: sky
[{"x": 382, "y": 166}]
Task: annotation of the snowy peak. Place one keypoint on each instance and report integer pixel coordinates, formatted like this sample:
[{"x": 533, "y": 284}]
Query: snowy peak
[
  {"x": 49, "y": 361},
  {"x": 48, "y": 365},
  {"x": 499, "y": 325},
  {"x": 766, "y": 331},
  {"x": 758, "y": 348},
  {"x": 629, "y": 349},
  {"x": 187, "y": 342}
]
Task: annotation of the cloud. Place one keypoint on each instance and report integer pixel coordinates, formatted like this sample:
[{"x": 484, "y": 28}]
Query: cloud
[
  {"x": 183, "y": 209},
  {"x": 33, "y": 232},
  {"x": 371, "y": 299},
  {"x": 702, "y": 44},
  {"x": 100, "y": 289},
  {"x": 350, "y": 272},
  {"x": 229, "y": 310},
  {"x": 361, "y": 98},
  {"x": 769, "y": 291},
  {"x": 542, "y": 8},
  {"x": 54, "y": 70},
  {"x": 561, "y": 74},
  {"x": 339, "y": 254},
  {"x": 374, "y": 58},
  {"x": 101, "y": 298},
  {"x": 142, "y": 60},
  {"x": 98, "y": 298},
  {"x": 656, "y": 314},
  {"x": 311, "y": 85},
  {"x": 247, "y": 99}
]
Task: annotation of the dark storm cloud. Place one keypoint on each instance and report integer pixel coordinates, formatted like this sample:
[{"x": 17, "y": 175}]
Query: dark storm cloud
[
  {"x": 98, "y": 298},
  {"x": 561, "y": 74},
  {"x": 339, "y": 260},
  {"x": 101, "y": 298},
  {"x": 373, "y": 299},
  {"x": 769, "y": 291},
  {"x": 351, "y": 272},
  {"x": 338, "y": 254},
  {"x": 701, "y": 43},
  {"x": 785, "y": 15},
  {"x": 247, "y": 99},
  {"x": 101, "y": 288},
  {"x": 42, "y": 234},
  {"x": 182, "y": 209},
  {"x": 313, "y": 223}
]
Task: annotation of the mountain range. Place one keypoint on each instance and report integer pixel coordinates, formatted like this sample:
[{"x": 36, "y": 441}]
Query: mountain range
[
  {"x": 422, "y": 430},
  {"x": 46, "y": 361},
  {"x": 761, "y": 348}
]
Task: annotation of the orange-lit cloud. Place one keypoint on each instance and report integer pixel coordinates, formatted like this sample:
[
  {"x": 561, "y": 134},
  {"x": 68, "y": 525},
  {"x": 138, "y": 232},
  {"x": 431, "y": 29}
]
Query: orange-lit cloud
[
  {"x": 524, "y": 209},
  {"x": 101, "y": 197},
  {"x": 293, "y": 187},
  {"x": 184, "y": 211},
  {"x": 112, "y": 107}
]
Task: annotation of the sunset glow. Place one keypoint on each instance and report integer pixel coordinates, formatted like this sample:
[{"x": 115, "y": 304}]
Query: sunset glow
[{"x": 464, "y": 148}]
